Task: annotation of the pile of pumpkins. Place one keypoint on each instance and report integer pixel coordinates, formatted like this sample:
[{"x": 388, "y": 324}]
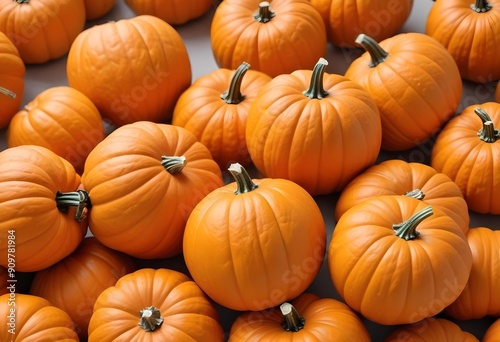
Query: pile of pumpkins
[{"x": 224, "y": 171}]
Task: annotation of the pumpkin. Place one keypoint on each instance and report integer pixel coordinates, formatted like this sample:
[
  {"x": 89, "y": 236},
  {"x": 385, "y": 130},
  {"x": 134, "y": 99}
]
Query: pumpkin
[
  {"x": 12, "y": 70},
  {"x": 144, "y": 179},
  {"x": 431, "y": 330},
  {"x": 154, "y": 305},
  {"x": 254, "y": 243},
  {"x": 42, "y": 208},
  {"x": 398, "y": 177},
  {"x": 398, "y": 260},
  {"x": 415, "y": 83},
  {"x": 31, "y": 318},
  {"x": 174, "y": 12},
  {"x": 467, "y": 151},
  {"x": 465, "y": 29},
  {"x": 317, "y": 129},
  {"x": 306, "y": 318},
  {"x": 4, "y": 276},
  {"x": 42, "y": 30},
  {"x": 215, "y": 108},
  {"x": 492, "y": 333},
  {"x": 74, "y": 283},
  {"x": 62, "y": 119},
  {"x": 97, "y": 9},
  {"x": 131, "y": 69},
  {"x": 275, "y": 37},
  {"x": 345, "y": 20}
]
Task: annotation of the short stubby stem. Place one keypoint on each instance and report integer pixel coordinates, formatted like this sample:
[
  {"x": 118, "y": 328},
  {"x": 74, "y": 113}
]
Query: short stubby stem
[
  {"x": 293, "y": 321},
  {"x": 79, "y": 199},
  {"x": 488, "y": 133},
  {"x": 173, "y": 164},
  {"x": 265, "y": 14},
  {"x": 150, "y": 319},
  {"x": 481, "y": 6},
  {"x": 243, "y": 180},
  {"x": 416, "y": 193}
]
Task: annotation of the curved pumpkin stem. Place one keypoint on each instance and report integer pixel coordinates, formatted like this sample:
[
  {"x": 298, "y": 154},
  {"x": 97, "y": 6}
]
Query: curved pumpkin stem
[
  {"x": 150, "y": 319},
  {"x": 293, "y": 321},
  {"x": 316, "y": 90},
  {"x": 265, "y": 14},
  {"x": 416, "y": 193},
  {"x": 242, "y": 178},
  {"x": 373, "y": 48},
  {"x": 233, "y": 95},
  {"x": 7, "y": 92},
  {"x": 408, "y": 229},
  {"x": 79, "y": 199},
  {"x": 173, "y": 164},
  {"x": 487, "y": 133},
  {"x": 22, "y": 1},
  {"x": 481, "y": 6}
]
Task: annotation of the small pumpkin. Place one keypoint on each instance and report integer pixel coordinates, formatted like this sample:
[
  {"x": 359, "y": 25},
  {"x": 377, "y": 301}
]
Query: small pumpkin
[
  {"x": 431, "y": 330},
  {"x": 492, "y": 333},
  {"x": 467, "y": 150},
  {"x": 41, "y": 206},
  {"x": 174, "y": 12},
  {"x": 61, "y": 119},
  {"x": 306, "y": 318},
  {"x": 154, "y": 305},
  {"x": 97, "y": 9}
]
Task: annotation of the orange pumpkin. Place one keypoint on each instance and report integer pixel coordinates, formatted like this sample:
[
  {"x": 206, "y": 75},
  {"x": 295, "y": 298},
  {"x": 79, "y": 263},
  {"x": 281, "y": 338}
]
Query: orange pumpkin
[
  {"x": 415, "y": 83},
  {"x": 306, "y": 318},
  {"x": 74, "y": 283},
  {"x": 397, "y": 260},
  {"x": 492, "y": 333},
  {"x": 95, "y": 9},
  {"x": 215, "y": 109},
  {"x": 30, "y": 318},
  {"x": 346, "y": 19},
  {"x": 154, "y": 305},
  {"x": 275, "y": 37},
  {"x": 42, "y": 30},
  {"x": 465, "y": 29},
  {"x": 317, "y": 129},
  {"x": 61, "y": 119},
  {"x": 144, "y": 179},
  {"x": 41, "y": 207},
  {"x": 251, "y": 228},
  {"x": 431, "y": 330},
  {"x": 398, "y": 177},
  {"x": 467, "y": 151},
  {"x": 131, "y": 69},
  {"x": 174, "y": 12}
]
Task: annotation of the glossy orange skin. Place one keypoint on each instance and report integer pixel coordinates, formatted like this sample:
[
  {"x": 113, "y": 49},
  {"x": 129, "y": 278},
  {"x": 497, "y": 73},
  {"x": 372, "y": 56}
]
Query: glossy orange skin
[
  {"x": 188, "y": 314},
  {"x": 492, "y": 334},
  {"x": 372, "y": 268},
  {"x": 30, "y": 177},
  {"x": 326, "y": 319},
  {"x": 132, "y": 69},
  {"x": 417, "y": 88},
  {"x": 137, "y": 206},
  {"x": 174, "y": 12},
  {"x": 74, "y": 283},
  {"x": 294, "y": 39},
  {"x": 61, "y": 119},
  {"x": 397, "y": 177},
  {"x": 42, "y": 30},
  {"x": 469, "y": 161},
  {"x": 469, "y": 37},
  {"x": 345, "y": 19},
  {"x": 36, "y": 320},
  {"x": 95, "y": 9},
  {"x": 217, "y": 124}
]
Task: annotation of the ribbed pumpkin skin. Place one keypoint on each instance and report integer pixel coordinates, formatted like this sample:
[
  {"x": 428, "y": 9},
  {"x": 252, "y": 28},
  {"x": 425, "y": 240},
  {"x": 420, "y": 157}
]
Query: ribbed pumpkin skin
[
  {"x": 132, "y": 69},
  {"x": 492, "y": 334},
  {"x": 294, "y": 39},
  {"x": 174, "y": 12},
  {"x": 36, "y": 320},
  {"x": 95, "y": 9},
  {"x": 42, "y": 30}
]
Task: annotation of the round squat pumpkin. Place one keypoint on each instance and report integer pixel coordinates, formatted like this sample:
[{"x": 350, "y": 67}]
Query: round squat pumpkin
[
  {"x": 174, "y": 12},
  {"x": 492, "y": 333},
  {"x": 431, "y": 330}
]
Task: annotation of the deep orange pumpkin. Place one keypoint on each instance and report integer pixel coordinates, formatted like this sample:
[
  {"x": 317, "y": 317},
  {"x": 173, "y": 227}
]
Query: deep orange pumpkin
[
  {"x": 492, "y": 334},
  {"x": 174, "y": 12},
  {"x": 431, "y": 330}
]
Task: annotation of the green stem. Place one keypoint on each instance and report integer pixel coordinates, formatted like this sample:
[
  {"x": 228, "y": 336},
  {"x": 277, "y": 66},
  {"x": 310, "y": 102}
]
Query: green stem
[
  {"x": 373, "y": 48},
  {"x": 243, "y": 180},
  {"x": 173, "y": 164},
  {"x": 265, "y": 14},
  {"x": 416, "y": 193},
  {"x": 487, "y": 133},
  {"x": 150, "y": 319},
  {"x": 22, "y": 1},
  {"x": 316, "y": 90},
  {"x": 7, "y": 92},
  {"x": 233, "y": 95},
  {"x": 79, "y": 199},
  {"x": 293, "y": 321},
  {"x": 408, "y": 229},
  {"x": 481, "y": 6}
]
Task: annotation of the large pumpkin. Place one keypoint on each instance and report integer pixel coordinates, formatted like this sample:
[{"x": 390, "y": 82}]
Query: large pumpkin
[
  {"x": 415, "y": 83},
  {"x": 41, "y": 207},
  {"x": 431, "y": 330},
  {"x": 174, "y": 12},
  {"x": 131, "y": 69},
  {"x": 275, "y": 37},
  {"x": 317, "y": 129},
  {"x": 254, "y": 244},
  {"x": 144, "y": 179}
]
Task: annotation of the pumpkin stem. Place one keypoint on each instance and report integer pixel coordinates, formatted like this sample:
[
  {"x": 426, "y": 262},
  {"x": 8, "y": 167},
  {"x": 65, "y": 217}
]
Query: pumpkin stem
[
  {"x": 150, "y": 319},
  {"x": 373, "y": 48},
  {"x": 416, "y": 193},
  {"x": 265, "y": 14},
  {"x": 242, "y": 178},
  {"x": 22, "y": 1},
  {"x": 7, "y": 92},
  {"x": 79, "y": 199},
  {"x": 487, "y": 133},
  {"x": 293, "y": 321},
  {"x": 173, "y": 164},
  {"x": 408, "y": 229},
  {"x": 233, "y": 95},
  {"x": 481, "y": 6},
  {"x": 316, "y": 90}
]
